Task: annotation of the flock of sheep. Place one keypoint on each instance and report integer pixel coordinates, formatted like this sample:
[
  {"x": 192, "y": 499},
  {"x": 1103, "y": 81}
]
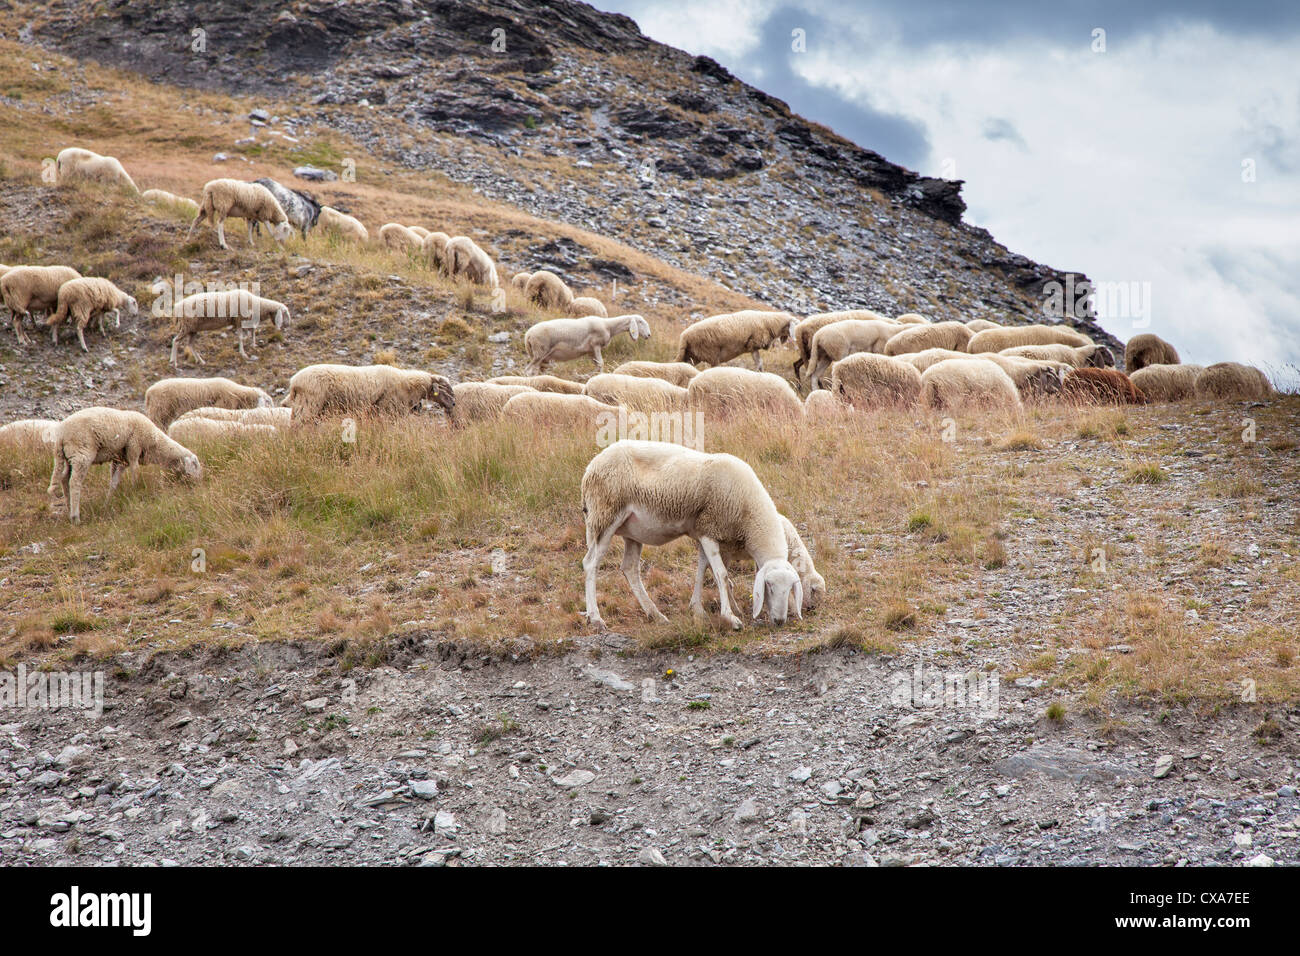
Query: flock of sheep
[{"x": 648, "y": 493}]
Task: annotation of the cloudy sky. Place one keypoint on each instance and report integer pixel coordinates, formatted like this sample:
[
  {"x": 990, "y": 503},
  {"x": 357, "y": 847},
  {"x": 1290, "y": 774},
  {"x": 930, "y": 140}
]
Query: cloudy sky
[{"x": 1162, "y": 156}]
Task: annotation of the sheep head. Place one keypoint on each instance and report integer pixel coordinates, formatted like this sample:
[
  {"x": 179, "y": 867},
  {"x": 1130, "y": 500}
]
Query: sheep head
[
  {"x": 774, "y": 584},
  {"x": 264, "y": 400},
  {"x": 131, "y": 306},
  {"x": 815, "y": 592},
  {"x": 188, "y": 466},
  {"x": 440, "y": 391},
  {"x": 282, "y": 317},
  {"x": 638, "y": 327},
  {"x": 1101, "y": 357},
  {"x": 282, "y": 230}
]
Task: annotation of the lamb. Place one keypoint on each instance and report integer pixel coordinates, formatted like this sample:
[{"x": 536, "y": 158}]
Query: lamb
[
  {"x": 233, "y": 308},
  {"x": 558, "y": 340},
  {"x": 548, "y": 291},
  {"x": 1100, "y": 386},
  {"x": 168, "y": 399},
  {"x": 586, "y": 305},
  {"x": 464, "y": 258},
  {"x": 726, "y": 390},
  {"x": 483, "y": 401},
  {"x": 1032, "y": 377},
  {"x": 995, "y": 340},
  {"x": 939, "y": 335},
  {"x": 251, "y": 202},
  {"x": 28, "y": 289},
  {"x": 399, "y": 238},
  {"x": 640, "y": 394},
  {"x": 840, "y": 339},
  {"x": 678, "y": 373},
  {"x": 1232, "y": 380},
  {"x": 655, "y": 492},
  {"x": 28, "y": 433},
  {"x": 364, "y": 390},
  {"x": 540, "y": 383},
  {"x": 171, "y": 199},
  {"x": 867, "y": 380},
  {"x": 123, "y": 439},
  {"x": 814, "y": 585},
  {"x": 87, "y": 298},
  {"x": 519, "y": 281},
  {"x": 1083, "y": 356},
  {"x": 1167, "y": 383},
  {"x": 96, "y": 168},
  {"x": 548, "y": 409},
  {"x": 434, "y": 247},
  {"x": 961, "y": 383},
  {"x": 1147, "y": 349},
  {"x": 343, "y": 225},
  {"x": 805, "y": 330},
  {"x": 720, "y": 338},
  {"x": 979, "y": 325},
  {"x": 193, "y": 430},
  {"x": 276, "y": 416}
]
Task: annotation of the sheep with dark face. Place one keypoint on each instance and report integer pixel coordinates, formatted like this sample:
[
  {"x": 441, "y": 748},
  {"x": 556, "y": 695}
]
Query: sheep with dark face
[{"x": 299, "y": 206}]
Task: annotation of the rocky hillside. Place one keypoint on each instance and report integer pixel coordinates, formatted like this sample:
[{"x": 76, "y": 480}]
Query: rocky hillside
[{"x": 573, "y": 115}]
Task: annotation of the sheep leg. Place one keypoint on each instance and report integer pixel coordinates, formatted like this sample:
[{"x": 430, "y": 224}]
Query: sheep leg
[
  {"x": 74, "y": 485},
  {"x": 697, "y": 595},
  {"x": 175, "y": 339},
  {"x": 714, "y": 554},
  {"x": 115, "y": 476},
  {"x": 54, "y": 332},
  {"x": 600, "y": 359},
  {"x": 632, "y": 571},
  {"x": 597, "y": 545},
  {"x": 81, "y": 334},
  {"x": 758, "y": 360},
  {"x": 221, "y": 234},
  {"x": 59, "y": 478},
  {"x": 18, "y": 328}
]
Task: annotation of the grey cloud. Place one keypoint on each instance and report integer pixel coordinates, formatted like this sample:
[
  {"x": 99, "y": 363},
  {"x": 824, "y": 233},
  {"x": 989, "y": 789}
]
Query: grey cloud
[{"x": 997, "y": 129}]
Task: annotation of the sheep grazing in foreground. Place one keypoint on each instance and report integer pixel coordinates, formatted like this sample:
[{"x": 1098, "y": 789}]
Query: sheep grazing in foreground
[
  {"x": 168, "y": 399},
  {"x": 1100, "y": 386},
  {"x": 655, "y": 492},
  {"x": 720, "y": 338},
  {"x": 1147, "y": 349},
  {"x": 85, "y": 299},
  {"x": 1232, "y": 380},
  {"x": 1083, "y": 356},
  {"x": 465, "y": 258},
  {"x": 420, "y": 231},
  {"x": 867, "y": 380},
  {"x": 805, "y": 330},
  {"x": 979, "y": 325},
  {"x": 194, "y": 430},
  {"x": 586, "y": 305},
  {"x": 434, "y": 247},
  {"x": 824, "y": 406},
  {"x": 1167, "y": 383},
  {"x": 122, "y": 439},
  {"x": 958, "y": 384},
  {"x": 28, "y": 289},
  {"x": 540, "y": 383},
  {"x": 939, "y": 335},
  {"x": 251, "y": 202},
  {"x": 1008, "y": 337},
  {"x": 814, "y": 585},
  {"x": 301, "y": 208},
  {"x": 341, "y": 224},
  {"x": 28, "y": 433},
  {"x": 399, "y": 238},
  {"x": 678, "y": 373},
  {"x": 68, "y": 158},
  {"x": 548, "y": 291},
  {"x": 99, "y": 169},
  {"x": 233, "y": 308},
  {"x": 556, "y": 409},
  {"x": 519, "y": 281},
  {"x": 276, "y": 416},
  {"x": 838, "y": 340},
  {"x": 171, "y": 199},
  {"x": 1033, "y": 377},
  {"x": 364, "y": 390},
  {"x": 558, "y": 340},
  {"x": 727, "y": 390},
  {"x": 483, "y": 401},
  {"x": 640, "y": 394}
]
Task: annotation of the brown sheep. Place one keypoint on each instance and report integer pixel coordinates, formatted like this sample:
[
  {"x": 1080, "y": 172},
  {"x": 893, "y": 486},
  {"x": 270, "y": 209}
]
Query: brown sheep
[
  {"x": 1100, "y": 386},
  {"x": 1147, "y": 349}
]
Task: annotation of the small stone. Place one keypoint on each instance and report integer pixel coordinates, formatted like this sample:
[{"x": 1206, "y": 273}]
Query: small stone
[
  {"x": 1164, "y": 764},
  {"x": 801, "y": 774},
  {"x": 575, "y": 778},
  {"x": 316, "y": 705},
  {"x": 1262, "y": 860},
  {"x": 651, "y": 857},
  {"x": 424, "y": 789},
  {"x": 748, "y": 812},
  {"x": 496, "y": 821},
  {"x": 598, "y": 817}
]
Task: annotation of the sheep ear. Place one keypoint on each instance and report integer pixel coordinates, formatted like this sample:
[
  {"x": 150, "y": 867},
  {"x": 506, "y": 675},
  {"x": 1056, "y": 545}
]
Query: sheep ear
[{"x": 760, "y": 591}]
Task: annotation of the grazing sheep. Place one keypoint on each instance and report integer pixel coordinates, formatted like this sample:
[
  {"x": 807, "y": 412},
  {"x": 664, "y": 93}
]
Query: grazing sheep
[
  {"x": 805, "y": 330},
  {"x": 399, "y": 238},
  {"x": 1032, "y": 377},
  {"x": 979, "y": 325},
  {"x": 726, "y": 390},
  {"x": 970, "y": 382},
  {"x": 168, "y": 399},
  {"x": 420, "y": 231},
  {"x": 87, "y": 298},
  {"x": 1232, "y": 380},
  {"x": 101, "y": 169},
  {"x": 558, "y": 340},
  {"x": 340, "y": 223},
  {"x": 123, "y": 439},
  {"x": 1167, "y": 383},
  {"x": 519, "y": 281},
  {"x": 275, "y": 415},
  {"x": 434, "y": 246},
  {"x": 586, "y": 305},
  {"x": 867, "y": 380},
  {"x": 840, "y": 339},
  {"x": 232, "y": 308},
  {"x": 548, "y": 291},
  {"x": 301, "y": 208},
  {"x": 540, "y": 383},
  {"x": 721, "y": 338},
  {"x": 555, "y": 409},
  {"x": 912, "y": 318},
  {"x": 69, "y": 158},
  {"x": 188, "y": 430},
  {"x": 1100, "y": 386},
  {"x": 483, "y": 401},
  {"x": 640, "y": 394},
  {"x": 171, "y": 199},
  {"x": 1147, "y": 349},
  {"x": 939, "y": 335},
  {"x": 1083, "y": 356},
  {"x": 824, "y": 405},
  {"x": 364, "y": 390},
  {"x": 678, "y": 373},
  {"x": 655, "y": 492},
  {"x": 464, "y": 258},
  {"x": 923, "y": 360},
  {"x": 995, "y": 340},
  {"x": 814, "y": 585},
  {"x": 251, "y": 202},
  {"x": 28, "y": 433},
  {"x": 28, "y": 289}
]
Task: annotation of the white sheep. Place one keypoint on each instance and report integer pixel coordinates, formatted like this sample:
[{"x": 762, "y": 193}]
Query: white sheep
[
  {"x": 823, "y": 405},
  {"x": 519, "y": 281},
  {"x": 868, "y": 380},
  {"x": 168, "y": 399},
  {"x": 727, "y": 390},
  {"x": 364, "y": 390},
  {"x": 979, "y": 325},
  {"x": 655, "y": 492},
  {"x": 171, "y": 199},
  {"x": 1010, "y": 336},
  {"x": 540, "y": 383},
  {"x": 720, "y": 338},
  {"x": 547, "y": 409},
  {"x": 924, "y": 359},
  {"x": 464, "y": 258},
  {"x": 483, "y": 401},
  {"x": 348, "y": 227},
  {"x": 805, "y": 330},
  {"x": 960, "y": 383},
  {"x": 1233, "y": 381},
  {"x": 640, "y": 394},
  {"x": 1082, "y": 356},
  {"x": 28, "y": 289},
  {"x": 836, "y": 341},
  {"x": 275, "y": 416},
  {"x": 814, "y": 585},
  {"x": 558, "y": 340},
  {"x": 87, "y": 298},
  {"x": 678, "y": 373},
  {"x": 122, "y": 439},
  {"x": 937, "y": 335},
  {"x": 68, "y": 159},
  {"x": 420, "y": 231},
  {"x": 586, "y": 305},
  {"x": 1032, "y": 376},
  {"x": 548, "y": 291},
  {"x": 1167, "y": 383},
  {"x": 193, "y": 430},
  {"x": 28, "y": 433},
  {"x": 434, "y": 247},
  {"x": 96, "y": 168},
  {"x": 400, "y": 238},
  {"x": 231, "y": 308},
  {"x": 911, "y": 318},
  {"x": 251, "y": 202}
]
